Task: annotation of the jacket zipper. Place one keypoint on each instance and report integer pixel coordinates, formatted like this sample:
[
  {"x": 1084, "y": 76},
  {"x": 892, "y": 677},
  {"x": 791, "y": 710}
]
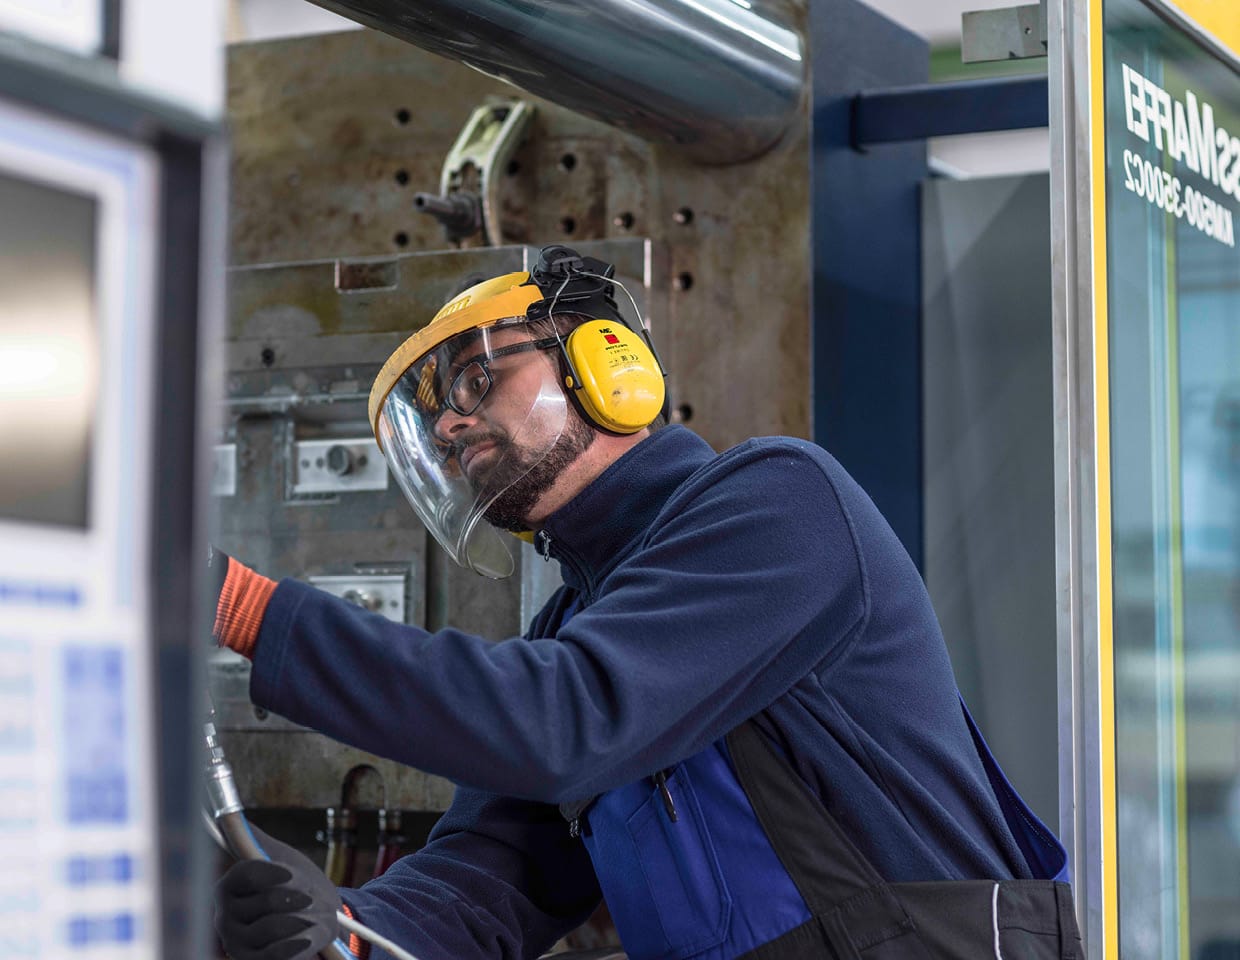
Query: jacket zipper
[
  {"x": 660, "y": 781},
  {"x": 542, "y": 546},
  {"x": 547, "y": 548}
]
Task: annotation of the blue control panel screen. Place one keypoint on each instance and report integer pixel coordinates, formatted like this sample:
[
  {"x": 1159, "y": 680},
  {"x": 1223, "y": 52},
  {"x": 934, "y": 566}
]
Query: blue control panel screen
[{"x": 95, "y": 729}]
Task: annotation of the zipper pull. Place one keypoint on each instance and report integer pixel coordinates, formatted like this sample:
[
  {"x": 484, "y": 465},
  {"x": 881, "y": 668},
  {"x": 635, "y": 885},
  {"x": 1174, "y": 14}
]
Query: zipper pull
[
  {"x": 660, "y": 780},
  {"x": 542, "y": 545},
  {"x": 574, "y": 827}
]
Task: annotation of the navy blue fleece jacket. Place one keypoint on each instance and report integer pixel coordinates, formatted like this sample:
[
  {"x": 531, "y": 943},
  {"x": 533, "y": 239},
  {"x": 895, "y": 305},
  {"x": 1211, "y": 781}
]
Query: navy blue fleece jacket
[{"x": 707, "y": 589}]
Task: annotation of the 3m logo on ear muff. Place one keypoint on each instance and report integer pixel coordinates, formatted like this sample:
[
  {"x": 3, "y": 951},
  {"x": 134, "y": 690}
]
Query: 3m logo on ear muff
[{"x": 619, "y": 382}]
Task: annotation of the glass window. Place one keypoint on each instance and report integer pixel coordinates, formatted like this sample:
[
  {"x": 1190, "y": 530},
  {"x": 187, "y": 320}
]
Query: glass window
[{"x": 1173, "y": 292}]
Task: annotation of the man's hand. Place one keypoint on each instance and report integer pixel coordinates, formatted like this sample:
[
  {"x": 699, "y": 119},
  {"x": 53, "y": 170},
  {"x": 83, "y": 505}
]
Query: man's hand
[{"x": 284, "y": 909}]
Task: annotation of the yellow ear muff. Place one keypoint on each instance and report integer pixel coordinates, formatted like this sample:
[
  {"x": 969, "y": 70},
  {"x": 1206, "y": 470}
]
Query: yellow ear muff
[{"x": 621, "y": 386}]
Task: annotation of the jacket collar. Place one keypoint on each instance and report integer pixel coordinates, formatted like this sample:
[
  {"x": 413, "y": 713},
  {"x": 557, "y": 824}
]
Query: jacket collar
[{"x": 598, "y": 527}]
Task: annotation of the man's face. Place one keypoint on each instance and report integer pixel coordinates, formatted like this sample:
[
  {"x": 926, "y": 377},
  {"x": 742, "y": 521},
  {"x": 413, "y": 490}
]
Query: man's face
[{"x": 519, "y": 438}]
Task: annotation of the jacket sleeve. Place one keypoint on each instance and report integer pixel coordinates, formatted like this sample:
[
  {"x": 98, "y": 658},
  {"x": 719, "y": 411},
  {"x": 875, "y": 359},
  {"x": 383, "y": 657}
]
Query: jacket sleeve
[
  {"x": 732, "y": 600},
  {"x": 498, "y": 878}
]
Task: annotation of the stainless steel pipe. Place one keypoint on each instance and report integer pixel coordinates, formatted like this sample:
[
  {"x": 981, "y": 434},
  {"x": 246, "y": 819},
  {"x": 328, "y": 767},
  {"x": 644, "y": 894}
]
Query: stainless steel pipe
[{"x": 722, "y": 78}]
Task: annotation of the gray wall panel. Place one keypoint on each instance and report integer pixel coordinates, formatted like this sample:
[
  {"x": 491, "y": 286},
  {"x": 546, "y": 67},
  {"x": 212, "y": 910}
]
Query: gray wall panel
[{"x": 989, "y": 497}]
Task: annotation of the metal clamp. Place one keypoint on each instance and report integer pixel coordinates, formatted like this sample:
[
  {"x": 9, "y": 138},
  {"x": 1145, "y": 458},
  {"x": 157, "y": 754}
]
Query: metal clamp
[
  {"x": 337, "y": 466},
  {"x": 469, "y": 184},
  {"x": 1011, "y": 33},
  {"x": 224, "y": 470},
  {"x": 378, "y": 593}
]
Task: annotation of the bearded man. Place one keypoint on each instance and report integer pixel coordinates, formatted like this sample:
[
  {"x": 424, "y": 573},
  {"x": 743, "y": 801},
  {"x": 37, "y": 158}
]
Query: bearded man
[{"x": 736, "y": 721}]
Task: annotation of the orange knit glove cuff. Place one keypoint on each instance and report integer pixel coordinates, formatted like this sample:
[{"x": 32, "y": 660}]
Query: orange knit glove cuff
[
  {"x": 239, "y": 613},
  {"x": 357, "y": 946}
]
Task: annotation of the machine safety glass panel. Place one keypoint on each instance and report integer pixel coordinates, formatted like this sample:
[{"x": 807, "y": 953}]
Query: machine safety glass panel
[{"x": 1172, "y": 120}]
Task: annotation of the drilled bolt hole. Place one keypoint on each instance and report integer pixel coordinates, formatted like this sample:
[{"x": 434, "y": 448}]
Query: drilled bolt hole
[
  {"x": 402, "y": 177},
  {"x": 684, "y": 281},
  {"x": 514, "y": 167},
  {"x": 403, "y": 116},
  {"x": 568, "y": 225},
  {"x": 624, "y": 221},
  {"x": 568, "y": 161},
  {"x": 683, "y": 413},
  {"x": 401, "y": 239},
  {"x": 268, "y": 356},
  {"x": 683, "y": 215}
]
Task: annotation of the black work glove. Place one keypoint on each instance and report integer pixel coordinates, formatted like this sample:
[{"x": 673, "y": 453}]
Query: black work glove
[{"x": 284, "y": 909}]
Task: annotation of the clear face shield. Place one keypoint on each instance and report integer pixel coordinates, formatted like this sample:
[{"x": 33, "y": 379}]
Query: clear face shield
[{"x": 473, "y": 432}]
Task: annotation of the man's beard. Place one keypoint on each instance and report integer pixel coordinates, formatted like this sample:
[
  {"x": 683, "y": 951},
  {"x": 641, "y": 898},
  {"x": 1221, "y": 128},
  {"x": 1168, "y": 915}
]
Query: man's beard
[{"x": 511, "y": 509}]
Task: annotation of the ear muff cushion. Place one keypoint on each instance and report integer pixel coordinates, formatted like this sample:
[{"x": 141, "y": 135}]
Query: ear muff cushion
[{"x": 621, "y": 386}]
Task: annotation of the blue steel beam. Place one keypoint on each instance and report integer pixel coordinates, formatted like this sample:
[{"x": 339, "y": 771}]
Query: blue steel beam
[{"x": 925, "y": 110}]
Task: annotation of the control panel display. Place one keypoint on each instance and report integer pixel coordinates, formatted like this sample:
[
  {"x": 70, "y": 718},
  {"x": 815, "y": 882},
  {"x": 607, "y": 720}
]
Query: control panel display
[{"x": 77, "y": 758}]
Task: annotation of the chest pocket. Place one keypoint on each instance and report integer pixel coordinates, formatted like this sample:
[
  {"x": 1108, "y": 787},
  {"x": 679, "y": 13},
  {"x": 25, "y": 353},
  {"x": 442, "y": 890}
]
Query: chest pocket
[{"x": 660, "y": 877}]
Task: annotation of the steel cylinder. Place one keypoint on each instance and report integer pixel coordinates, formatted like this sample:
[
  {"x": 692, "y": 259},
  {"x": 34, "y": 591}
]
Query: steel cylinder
[{"x": 721, "y": 78}]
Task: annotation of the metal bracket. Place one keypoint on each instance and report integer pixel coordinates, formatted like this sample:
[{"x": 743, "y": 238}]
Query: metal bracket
[
  {"x": 224, "y": 470},
  {"x": 378, "y": 593},
  {"x": 1011, "y": 33},
  {"x": 480, "y": 155},
  {"x": 337, "y": 466}
]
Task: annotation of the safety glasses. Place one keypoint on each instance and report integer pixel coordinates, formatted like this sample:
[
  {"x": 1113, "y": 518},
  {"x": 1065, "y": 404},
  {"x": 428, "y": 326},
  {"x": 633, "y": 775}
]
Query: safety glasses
[{"x": 471, "y": 385}]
